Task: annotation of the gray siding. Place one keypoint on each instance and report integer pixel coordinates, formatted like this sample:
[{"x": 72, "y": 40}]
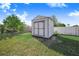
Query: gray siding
[{"x": 42, "y": 27}]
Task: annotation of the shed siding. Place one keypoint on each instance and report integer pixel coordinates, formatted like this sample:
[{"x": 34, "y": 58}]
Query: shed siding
[
  {"x": 42, "y": 27},
  {"x": 46, "y": 29},
  {"x": 50, "y": 28}
]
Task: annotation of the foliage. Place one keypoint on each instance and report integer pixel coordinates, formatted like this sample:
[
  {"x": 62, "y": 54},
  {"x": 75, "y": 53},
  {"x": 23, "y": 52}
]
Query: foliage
[
  {"x": 1, "y": 29},
  {"x": 60, "y": 25},
  {"x": 75, "y": 25},
  {"x": 11, "y": 26},
  {"x": 56, "y": 23},
  {"x": 68, "y": 25},
  {"x": 13, "y": 23}
]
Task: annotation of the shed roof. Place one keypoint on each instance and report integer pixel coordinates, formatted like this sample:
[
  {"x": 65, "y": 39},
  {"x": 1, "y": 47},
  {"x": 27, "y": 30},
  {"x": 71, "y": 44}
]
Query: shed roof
[{"x": 41, "y": 17}]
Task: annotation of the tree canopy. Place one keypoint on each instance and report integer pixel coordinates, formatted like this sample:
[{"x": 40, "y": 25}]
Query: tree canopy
[
  {"x": 1, "y": 29},
  {"x": 56, "y": 23},
  {"x": 75, "y": 26},
  {"x": 13, "y": 23}
]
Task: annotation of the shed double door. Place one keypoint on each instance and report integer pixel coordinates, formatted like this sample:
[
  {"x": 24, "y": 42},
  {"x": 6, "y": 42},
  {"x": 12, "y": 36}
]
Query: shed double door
[{"x": 39, "y": 28}]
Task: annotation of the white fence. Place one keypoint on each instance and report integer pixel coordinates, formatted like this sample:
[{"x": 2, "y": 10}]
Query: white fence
[{"x": 67, "y": 30}]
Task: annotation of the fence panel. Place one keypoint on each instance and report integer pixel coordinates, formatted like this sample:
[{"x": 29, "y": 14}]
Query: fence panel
[{"x": 67, "y": 30}]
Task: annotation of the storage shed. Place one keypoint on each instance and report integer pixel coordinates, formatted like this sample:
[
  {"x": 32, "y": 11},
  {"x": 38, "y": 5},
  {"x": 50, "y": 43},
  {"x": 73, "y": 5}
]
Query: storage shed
[{"x": 42, "y": 26}]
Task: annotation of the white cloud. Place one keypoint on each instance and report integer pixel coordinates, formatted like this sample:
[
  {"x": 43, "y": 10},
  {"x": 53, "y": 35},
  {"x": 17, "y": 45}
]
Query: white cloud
[
  {"x": 75, "y": 13},
  {"x": 27, "y": 3},
  {"x": 13, "y": 10},
  {"x": 57, "y": 4},
  {"x": 24, "y": 19},
  {"x": 5, "y": 10},
  {"x": 22, "y": 16},
  {"x": 5, "y": 5},
  {"x": 7, "y": 14},
  {"x": 28, "y": 22},
  {"x": 1, "y": 21}
]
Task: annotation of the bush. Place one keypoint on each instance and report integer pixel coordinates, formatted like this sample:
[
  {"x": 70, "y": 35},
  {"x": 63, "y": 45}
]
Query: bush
[{"x": 56, "y": 33}]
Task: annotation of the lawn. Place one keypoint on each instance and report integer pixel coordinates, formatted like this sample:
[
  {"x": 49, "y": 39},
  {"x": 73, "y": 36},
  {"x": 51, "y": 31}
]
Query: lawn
[
  {"x": 68, "y": 45},
  {"x": 26, "y": 45}
]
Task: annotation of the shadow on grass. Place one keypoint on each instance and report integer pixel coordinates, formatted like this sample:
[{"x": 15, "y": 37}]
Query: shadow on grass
[{"x": 66, "y": 46}]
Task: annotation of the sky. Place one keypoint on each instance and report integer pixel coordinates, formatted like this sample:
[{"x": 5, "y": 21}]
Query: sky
[{"x": 67, "y": 13}]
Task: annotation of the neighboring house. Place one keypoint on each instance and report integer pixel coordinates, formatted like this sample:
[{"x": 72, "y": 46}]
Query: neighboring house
[{"x": 42, "y": 26}]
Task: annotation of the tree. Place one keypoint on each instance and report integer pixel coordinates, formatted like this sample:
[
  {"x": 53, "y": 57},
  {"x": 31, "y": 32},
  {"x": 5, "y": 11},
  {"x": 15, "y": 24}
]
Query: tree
[
  {"x": 56, "y": 23},
  {"x": 1, "y": 29},
  {"x": 13, "y": 23},
  {"x": 61, "y": 25},
  {"x": 75, "y": 25},
  {"x": 68, "y": 25}
]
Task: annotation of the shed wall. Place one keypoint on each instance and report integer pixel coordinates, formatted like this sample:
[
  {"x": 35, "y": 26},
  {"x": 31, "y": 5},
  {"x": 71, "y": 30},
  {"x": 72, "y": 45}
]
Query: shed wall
[
  {"x": 45, "y": 29},
  {"x": 38, "y": 28},
  {"x": 51, "y": 29}
]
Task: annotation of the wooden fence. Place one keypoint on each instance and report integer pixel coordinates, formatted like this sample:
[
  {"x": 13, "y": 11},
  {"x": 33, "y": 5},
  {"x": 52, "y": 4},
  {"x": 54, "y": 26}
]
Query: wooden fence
[{"x": 67, "y": 30}]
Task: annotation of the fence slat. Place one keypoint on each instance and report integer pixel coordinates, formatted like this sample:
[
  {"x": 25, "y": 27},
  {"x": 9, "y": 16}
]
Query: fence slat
[{"x": 67, "y": 30}]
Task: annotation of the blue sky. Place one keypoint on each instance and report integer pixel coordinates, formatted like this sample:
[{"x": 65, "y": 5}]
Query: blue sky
[{"x": 67, "y": 13}]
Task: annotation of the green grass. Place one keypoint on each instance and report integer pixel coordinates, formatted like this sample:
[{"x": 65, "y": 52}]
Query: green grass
[
  {"x": 71, "y": 37},
  {"x": 68, "y": 45},
  {"x": 24, "y": 44}
]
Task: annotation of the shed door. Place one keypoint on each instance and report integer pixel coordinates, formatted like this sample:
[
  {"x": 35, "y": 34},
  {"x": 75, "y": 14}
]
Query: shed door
[
  {"x": 36, "y": 28},
  {"x": 39, "y": 28}
]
